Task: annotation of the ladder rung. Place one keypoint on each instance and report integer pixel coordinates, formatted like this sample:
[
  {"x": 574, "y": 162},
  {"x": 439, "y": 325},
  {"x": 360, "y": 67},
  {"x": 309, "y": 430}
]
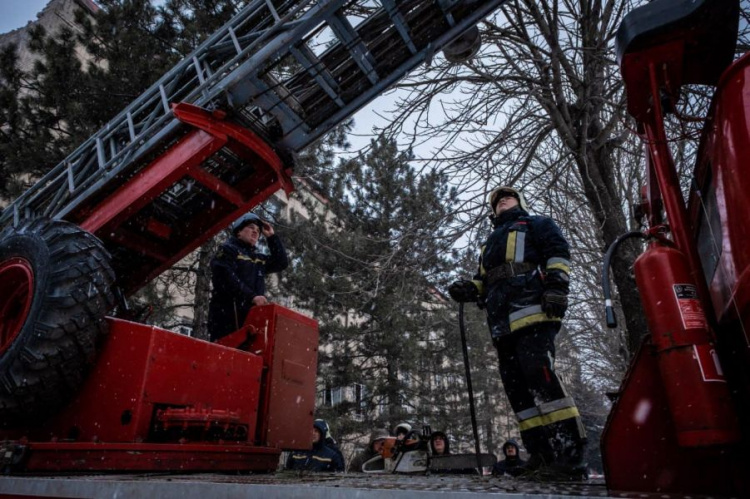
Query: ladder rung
[
  {"x": 217, "y": 185},
  {"x": 400, "y": 23},
  {"x": 317, "y": 70},
  {"x": 350, "y": 39}
]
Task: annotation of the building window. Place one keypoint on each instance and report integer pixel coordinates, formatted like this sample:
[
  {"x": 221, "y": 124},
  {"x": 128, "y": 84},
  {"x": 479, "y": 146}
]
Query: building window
[
  {"x": 333, "y": 396},
  {"x": 360, "y": 395}
]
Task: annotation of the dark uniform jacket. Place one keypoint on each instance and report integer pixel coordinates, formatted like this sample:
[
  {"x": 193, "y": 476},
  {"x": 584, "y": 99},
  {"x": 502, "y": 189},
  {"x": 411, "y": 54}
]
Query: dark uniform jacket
[
  {"x": 512, "y": 466},
  {"x": 320, "y": 458},
  {"x": 238, "y": 275},
  {"x": 515, "y": 302}
]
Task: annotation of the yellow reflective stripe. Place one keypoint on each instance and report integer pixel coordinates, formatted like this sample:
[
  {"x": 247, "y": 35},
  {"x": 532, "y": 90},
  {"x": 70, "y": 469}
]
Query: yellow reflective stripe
[
  {"x": 532, "y": 319},
  {"x": 559, "y": 266},
  {"x": 559, "y": 263},
  {"x": 323, "y": 459},
  {"x": 547, "y": 419},
  {"x": 480, "y": 287},
  {"x": 510, "y": 249},
  {"x": 299, "y": 456},
  {"x": 247, "y": 258}
]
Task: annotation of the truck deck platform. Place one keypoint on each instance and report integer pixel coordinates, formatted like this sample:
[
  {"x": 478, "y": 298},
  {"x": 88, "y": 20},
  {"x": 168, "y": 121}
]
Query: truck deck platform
[{"x": 295, "y": 485}]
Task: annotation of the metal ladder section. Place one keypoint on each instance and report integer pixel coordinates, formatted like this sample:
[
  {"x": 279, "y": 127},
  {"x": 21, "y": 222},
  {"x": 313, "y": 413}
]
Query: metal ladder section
[
  {"x": 205, "y": 143},
  {"x": 266, "y": 68}
]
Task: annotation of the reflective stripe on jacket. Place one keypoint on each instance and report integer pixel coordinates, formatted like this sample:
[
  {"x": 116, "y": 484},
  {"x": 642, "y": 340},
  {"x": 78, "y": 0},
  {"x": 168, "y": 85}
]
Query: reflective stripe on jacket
[{"x": 320, "y": 458}]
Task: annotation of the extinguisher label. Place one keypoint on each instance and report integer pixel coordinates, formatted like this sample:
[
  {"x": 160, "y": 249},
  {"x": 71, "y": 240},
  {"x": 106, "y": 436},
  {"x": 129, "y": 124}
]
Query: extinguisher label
[
  {"x": 691, "y": 310},
  {"x": 708, "y": 361}
]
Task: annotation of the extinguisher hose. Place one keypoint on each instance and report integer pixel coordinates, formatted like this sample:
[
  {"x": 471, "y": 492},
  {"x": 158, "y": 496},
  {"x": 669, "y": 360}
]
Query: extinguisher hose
[{"x": 608, "y": 308}]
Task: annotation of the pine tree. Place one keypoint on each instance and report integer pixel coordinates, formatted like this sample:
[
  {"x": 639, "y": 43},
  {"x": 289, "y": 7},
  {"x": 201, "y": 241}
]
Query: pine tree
[{"x": 367, "y": 270}]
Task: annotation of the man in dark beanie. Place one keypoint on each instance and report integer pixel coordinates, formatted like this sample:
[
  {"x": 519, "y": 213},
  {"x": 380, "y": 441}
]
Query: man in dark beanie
[
  {"x": 512, "y": 465},
  {"x": 523, "y": 283},
  {"x": 239, "y": 274},
  {"x": 439, "y": 444}
]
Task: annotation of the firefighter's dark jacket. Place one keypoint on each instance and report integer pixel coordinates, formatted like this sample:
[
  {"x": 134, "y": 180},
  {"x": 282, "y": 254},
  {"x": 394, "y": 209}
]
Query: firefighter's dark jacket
[
  {"x": 320, "y": 458},
  {"x": 514, "y": 303},
  {"x": 238, "y": 275}
]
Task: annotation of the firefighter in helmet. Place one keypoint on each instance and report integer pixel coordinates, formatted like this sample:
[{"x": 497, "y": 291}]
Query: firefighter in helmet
[
  {"x": 523, "y": 283},
  {"x": 322, "y": 457},
  {"x": 239, "y": 274}
]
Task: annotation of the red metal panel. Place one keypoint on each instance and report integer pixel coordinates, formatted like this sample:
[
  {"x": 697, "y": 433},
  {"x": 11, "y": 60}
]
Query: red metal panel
[
  {"x": 289, "y": 345},
  {"x": 149, "y": 378},
  {"x": 142, "y": 369},
  {"x": 726, "y": 152}
]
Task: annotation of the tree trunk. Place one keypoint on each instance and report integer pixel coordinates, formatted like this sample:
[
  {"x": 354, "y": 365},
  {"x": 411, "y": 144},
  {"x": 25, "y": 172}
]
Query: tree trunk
[
  {"x": 203, "y": 290},
  {"x": 606, "y": 204}
]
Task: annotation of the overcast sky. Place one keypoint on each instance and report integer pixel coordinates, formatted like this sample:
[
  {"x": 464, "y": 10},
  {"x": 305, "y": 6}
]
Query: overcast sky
[{"x": 16, "y": 13}]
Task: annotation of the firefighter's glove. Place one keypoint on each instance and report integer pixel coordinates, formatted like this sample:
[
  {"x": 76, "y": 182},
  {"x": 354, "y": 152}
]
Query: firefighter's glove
[
  {"x": 554, "y": 303},
  {"x": 463, "y": 291}
]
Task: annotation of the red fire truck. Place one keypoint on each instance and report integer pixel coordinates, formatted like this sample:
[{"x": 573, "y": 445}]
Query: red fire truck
[{"x": 81, "y": 391}]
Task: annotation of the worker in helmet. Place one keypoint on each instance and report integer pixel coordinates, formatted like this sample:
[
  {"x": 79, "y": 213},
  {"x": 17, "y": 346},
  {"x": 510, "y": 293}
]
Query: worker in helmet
[
  {"x": 523, "y": 281},
  {"x": 402, "y": 431},
  {"x": 374, "y": 448},
  {"x": 322, "y": 457},
  {"x": 239, "y": 274}
]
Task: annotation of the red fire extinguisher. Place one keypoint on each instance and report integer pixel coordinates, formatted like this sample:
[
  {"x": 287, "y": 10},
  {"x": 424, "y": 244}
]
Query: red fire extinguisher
[{"x": 697, "y": 391}]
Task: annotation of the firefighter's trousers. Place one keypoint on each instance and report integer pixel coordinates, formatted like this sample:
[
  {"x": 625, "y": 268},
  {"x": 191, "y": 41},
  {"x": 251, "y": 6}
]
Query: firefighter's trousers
[{"x": 548, "y": 418}]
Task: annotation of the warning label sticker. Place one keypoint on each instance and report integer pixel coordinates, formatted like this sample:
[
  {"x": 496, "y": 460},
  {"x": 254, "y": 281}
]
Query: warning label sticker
[{"x": 691, "y": 310}]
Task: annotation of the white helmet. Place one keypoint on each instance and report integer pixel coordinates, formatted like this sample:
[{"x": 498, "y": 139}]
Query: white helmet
[
  {"x": 401, "y": 428},
  {"x": 495, "y": 196}
]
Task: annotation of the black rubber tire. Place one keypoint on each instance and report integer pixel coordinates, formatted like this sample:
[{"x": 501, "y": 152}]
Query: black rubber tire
[{"x": 48, "y": 360}]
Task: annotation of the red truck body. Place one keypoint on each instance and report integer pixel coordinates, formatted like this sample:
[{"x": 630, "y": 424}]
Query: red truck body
[
  {"x": 157, "y": 400},
  {"x": 681, "y": 423}
]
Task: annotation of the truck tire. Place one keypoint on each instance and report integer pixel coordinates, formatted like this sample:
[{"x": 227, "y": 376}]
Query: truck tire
[{"x": 55, "y": 289}]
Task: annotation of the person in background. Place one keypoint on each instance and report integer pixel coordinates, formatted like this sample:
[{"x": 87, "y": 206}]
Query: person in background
[
  {"x": 439, "y": 444},
  {"x": 512, "y": 465},
  {"x": 377, "y": 438},
  {"x": 321, "y": 457},
  {"x": 402, "y": 431}
]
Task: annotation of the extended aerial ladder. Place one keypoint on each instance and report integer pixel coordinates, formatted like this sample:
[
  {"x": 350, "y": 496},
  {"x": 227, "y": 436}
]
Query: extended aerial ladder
[{"x": 217, "y": 133}]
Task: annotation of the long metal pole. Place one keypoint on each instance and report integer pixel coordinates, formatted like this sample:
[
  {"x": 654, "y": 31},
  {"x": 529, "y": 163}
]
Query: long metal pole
[{"x": 465, "y": 348}]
